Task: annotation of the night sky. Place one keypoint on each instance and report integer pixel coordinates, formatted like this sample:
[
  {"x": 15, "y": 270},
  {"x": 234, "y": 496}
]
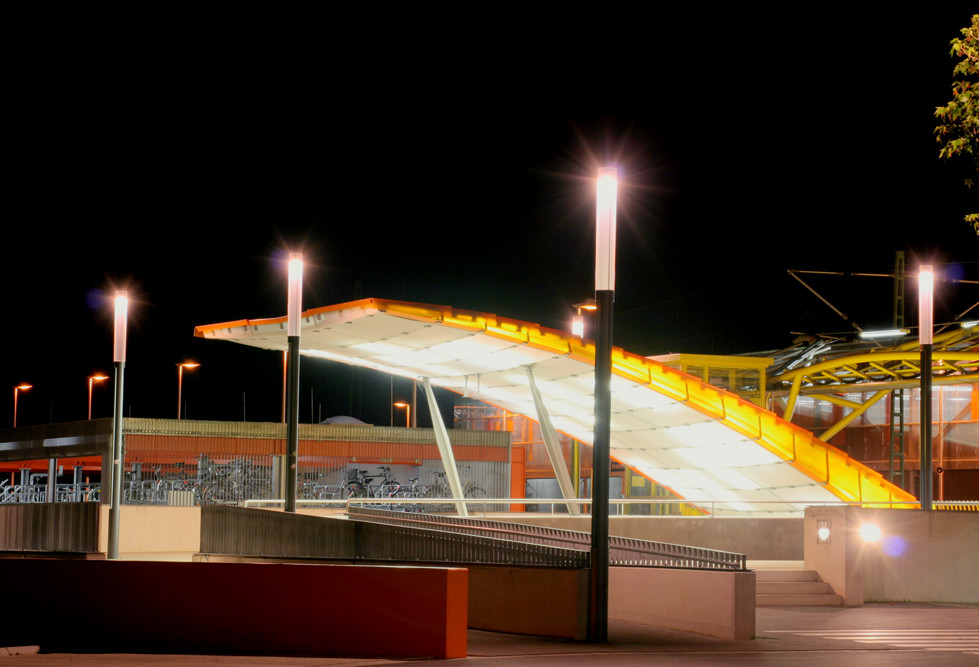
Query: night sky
[{"x": 182, "y": 158}]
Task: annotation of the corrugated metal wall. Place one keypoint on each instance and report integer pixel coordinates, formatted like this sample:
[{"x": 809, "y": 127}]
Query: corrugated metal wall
[{"x": 229, "y": 462}]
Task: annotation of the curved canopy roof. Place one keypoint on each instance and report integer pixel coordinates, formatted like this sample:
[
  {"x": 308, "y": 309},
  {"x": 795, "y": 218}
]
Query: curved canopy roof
[{"x": 705, "y": 444}]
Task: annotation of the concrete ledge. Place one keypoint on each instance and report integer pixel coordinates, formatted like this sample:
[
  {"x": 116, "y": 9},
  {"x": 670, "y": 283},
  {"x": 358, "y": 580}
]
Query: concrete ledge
[
  {"x": 719, "y": 604},
  {"x": 236, "y": 609}
]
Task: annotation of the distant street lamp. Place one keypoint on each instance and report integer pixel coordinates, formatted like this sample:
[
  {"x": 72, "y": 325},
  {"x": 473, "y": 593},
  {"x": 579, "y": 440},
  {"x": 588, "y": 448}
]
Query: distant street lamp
[
  {"x": 578, "y": 321},
  {"x": 180, "y": 382},
  {"x": 91, "y": 381},
  {"x": 407, "y": 407},
  {"x": 19, "y": 388}
]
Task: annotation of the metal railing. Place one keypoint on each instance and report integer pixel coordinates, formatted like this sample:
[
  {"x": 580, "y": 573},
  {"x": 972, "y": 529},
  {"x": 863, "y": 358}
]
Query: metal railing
[
  {"x": 251, "y": 532},
  {"x": 957, "y": 505},
  {"x": 622, "y": 551},
  {"x": 493, "y": 506}
]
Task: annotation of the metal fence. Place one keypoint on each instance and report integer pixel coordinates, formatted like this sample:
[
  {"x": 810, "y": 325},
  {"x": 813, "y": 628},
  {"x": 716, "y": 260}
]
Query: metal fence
[
  {"x": 50, "y": 527},
  {"x": 622, "y": 550}
]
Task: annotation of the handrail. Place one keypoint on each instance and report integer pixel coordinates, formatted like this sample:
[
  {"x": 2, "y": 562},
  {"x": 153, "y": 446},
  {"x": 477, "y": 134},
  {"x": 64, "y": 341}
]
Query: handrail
[
  {"x": 553, "y": 502},
  {"x": 623, "y": 550}
]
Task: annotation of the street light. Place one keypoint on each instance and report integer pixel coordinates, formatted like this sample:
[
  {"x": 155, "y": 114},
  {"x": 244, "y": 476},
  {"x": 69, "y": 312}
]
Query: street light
[
  {"x": 294, "y": 308},
  {"x": 407, "y": 407},
  {"x": 607, "y": 190},
  {"x": 180, "y": 381},
  {"x": 115, "y": 481},
  {"x": 91, "y": 381},
  {"x": 926, "y": 288},
  {"x": 19, "y": 388}
]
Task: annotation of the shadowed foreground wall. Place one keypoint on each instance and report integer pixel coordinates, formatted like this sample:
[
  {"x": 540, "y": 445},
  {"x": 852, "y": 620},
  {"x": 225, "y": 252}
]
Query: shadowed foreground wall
[{"x": 234, "y": 608}]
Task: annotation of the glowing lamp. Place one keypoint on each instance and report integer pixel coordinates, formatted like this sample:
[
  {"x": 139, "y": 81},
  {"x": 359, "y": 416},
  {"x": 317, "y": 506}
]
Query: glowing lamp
[
  {"x": 605, "y": 238},
  {"x": 119, "y": 339},
  {"x": 407, "y": 407},
  {"x": 824, "y": 531},
  {"x": 294, "y": 310},
  {"x": 870, "y": 532},
  {"x": 884, "y": 333},
  {"x": 926, "y": 288}
]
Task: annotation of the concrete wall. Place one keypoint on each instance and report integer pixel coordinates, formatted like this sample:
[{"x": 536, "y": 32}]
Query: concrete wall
[
  {"x": 759, "y": 538},
  {"x": 719, "y": 604},
  {"x": 203, "y": 608},
  {"x": 921, "y": 556},
  {"x": 149, "y": 529},
  {"x": 538, "y": 601}
]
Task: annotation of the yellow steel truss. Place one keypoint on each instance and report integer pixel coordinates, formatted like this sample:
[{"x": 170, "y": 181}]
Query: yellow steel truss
[{"x": 955, "y": 360}]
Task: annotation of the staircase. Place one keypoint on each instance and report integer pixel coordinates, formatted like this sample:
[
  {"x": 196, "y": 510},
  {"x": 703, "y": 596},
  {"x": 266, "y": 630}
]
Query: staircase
[{"x": 793, "y": 588}]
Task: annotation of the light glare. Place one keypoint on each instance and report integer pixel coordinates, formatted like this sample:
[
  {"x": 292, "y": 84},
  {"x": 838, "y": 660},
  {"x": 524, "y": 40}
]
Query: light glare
[{"x": 870, "y": 532}]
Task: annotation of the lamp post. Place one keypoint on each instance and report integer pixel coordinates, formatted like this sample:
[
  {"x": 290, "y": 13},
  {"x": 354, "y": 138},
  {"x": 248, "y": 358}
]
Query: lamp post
[
  {"x": 91, "y": 382},
  {"x": 180, "y": 382},
  {"x": 19, "y": 388},
  {"x": 293, "y": 325},
  {"x": 407, "y": 407},
  {"x": 115, "y": 481},
  {"x": 604, "y": 296},
  {"x": 926, "y": 286}
]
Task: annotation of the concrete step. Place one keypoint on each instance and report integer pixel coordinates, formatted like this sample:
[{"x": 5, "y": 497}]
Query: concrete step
[
  {"x": 799, "y": 600},
  {"x": 785, "y": 575},
  {"x": 793, "y": 588}
]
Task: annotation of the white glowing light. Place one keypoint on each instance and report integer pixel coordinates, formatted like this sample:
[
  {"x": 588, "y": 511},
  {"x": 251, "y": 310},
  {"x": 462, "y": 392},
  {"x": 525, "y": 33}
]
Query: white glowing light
[
  {"x": 121, "y": 318},
  {"x": 605, "y": 233},
  {"x": 870, "y": 532},
  {"x": 295, "y": 304},
  {"x": 926, "y": 288},
  {"x": 885, "y": 333}
]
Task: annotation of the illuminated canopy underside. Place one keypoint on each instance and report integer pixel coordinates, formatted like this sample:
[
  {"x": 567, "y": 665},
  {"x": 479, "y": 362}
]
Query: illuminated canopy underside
[{"x": 703, "y": 443}]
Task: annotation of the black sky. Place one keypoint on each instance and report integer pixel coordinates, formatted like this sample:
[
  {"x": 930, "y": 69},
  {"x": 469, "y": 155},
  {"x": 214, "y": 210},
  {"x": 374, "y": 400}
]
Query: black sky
[{"x": 448, "y": 159}]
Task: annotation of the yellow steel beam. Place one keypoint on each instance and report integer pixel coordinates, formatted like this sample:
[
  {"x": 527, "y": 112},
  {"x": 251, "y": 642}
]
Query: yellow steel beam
[{"x": 856, "y": 412}]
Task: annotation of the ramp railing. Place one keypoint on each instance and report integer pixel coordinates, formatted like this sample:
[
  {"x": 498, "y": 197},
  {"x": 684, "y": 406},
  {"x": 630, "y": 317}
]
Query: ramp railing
[{"x": 622, "y": 550}]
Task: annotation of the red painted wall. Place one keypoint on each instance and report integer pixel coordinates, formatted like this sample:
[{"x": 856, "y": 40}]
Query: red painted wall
[{"x": 235, "y": 608}]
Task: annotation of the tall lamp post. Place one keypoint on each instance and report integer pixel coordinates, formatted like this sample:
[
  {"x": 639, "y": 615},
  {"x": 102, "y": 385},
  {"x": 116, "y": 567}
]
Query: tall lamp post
[
  {"x": 604, "y": 297},
  {"x": 180, "y": 382},
  {"x": 294, "y": 315},
  {"x": 19, "y": 388},
  {"x": 926, "y": 287},
  {"x": 91, "y": 383},
  {"x": 119, "y": 358}
]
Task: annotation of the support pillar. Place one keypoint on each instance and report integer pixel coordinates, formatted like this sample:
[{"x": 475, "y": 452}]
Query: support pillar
[{"x": 445, "y": 449}]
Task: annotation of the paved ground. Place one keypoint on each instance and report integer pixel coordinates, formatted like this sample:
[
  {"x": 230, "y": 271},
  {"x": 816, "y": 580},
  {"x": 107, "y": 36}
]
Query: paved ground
[{"x": 877, "y": 634}]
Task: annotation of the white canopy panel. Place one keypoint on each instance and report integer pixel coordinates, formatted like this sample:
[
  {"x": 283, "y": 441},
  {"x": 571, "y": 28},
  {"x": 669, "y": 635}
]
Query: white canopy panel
[{"x": 705, "y": 444}]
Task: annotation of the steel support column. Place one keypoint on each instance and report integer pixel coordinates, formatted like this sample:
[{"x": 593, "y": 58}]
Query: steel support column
[
  {"x": 292, "y": 424},
  {"x": 445, "y": 449},
  {"x": 553, "y": 446},
  {"x": 601, "y": 469}
]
